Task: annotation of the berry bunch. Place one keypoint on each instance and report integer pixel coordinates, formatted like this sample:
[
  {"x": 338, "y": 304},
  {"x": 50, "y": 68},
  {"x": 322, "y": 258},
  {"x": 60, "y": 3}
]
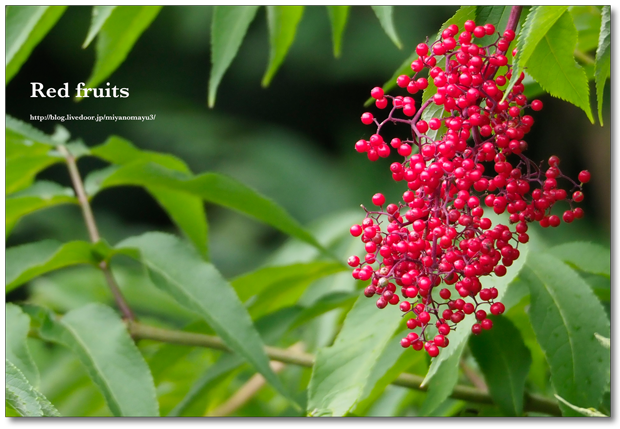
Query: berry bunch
[{"x": 468, "y": 154}]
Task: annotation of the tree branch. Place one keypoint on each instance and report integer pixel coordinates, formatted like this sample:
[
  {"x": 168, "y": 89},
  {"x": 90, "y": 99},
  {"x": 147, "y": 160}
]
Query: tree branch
[{"x": 532, "y": 403}]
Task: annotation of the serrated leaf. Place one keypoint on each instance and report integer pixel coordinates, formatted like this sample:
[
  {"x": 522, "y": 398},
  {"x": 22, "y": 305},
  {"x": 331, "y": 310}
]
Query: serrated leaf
[
  {"x": 603, "y": 59},
  {"x": 178, "y": 270},
  {"x": 39, "y": 196},
  {"x": 22, "y": 397},
  {"x": 21, "y": 171},
  {"x": 26, "y": 133},
  {"x": 463, "y": 332},
  {"x": 214, "y": 188},
  {"x": 185, "y": 210},
  {"x": 18, "y": 325},
  {"x": 34, "y": 259},
  {"x": 539, "y": 21},
  {"x": 282, "y": 22},
  {"x": 385, "y": 17},
  {"x": 99, "y": 338},
  {"x": 100, "y": 15},
  {"x": 552, "y": 64},
  {"x": 589, "y": 412},
  {"x": 117, "y": 36},
  {"x": 587, "y": 20},
  {"x": 26, "y": 26},
  {"x": 338, "y": 16},
  {"x": 588, "y": 257},
  {"x": 565, "y": 314},
  {"x": 505, "y": 362},
  {"x": 278, "y": 287},
  {"x": 230, "y": 23},
  {"x": 340, "y": 371}
]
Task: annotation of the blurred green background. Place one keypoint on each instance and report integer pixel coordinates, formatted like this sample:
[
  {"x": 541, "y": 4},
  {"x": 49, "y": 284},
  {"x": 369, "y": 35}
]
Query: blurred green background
[{"x": 292, "y": 141}]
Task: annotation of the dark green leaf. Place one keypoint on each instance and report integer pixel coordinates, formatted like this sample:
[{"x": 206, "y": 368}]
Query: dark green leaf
[
  {"x": 18, "y": 325},
  {"x": 341, "y": 371},
  {"x": 115, "y": 39},
  {"x": 230, "y": 23},
  {"x": 505, "y": 362},
  {"x": 99, "y": 17},
  {"x": 385, "y": 16},
  {"x": 186, "y": 211},
  {"x": 552, "y": 64},
  {"x": 215, "y": 188},
  {"x": 39, "y": 196},
  {"x": 26, "y": 26},
  {"x": 178, "y": 270},
  {"x": 603, "y": 59},
  {"x": 338, "y": 16},
  {"x": 100, "y": 340},
  {"x": 496, "y": 15},
  {"x": 282, "y": 21},
  {"x": 565, "y": 315},
  {"x": 24, "y": 398},
  {"x": 34, "y": 259},
  {"x": 539, "y": 21},
  {"x": 588, "y": 257}
]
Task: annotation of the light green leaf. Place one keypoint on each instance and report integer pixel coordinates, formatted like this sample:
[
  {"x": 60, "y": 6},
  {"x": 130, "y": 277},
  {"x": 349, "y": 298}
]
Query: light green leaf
[
  {"x": 215, "y": 188},
  {"x": 589, "y": 412},
  {"x": 605, "y": 342},
  {"x": 34, "y": 259},
  {"x": 100, "y": 340},
  {"x": 587, "y": 20},
  {"x": 341, "y": 371},
  {"x": 385, "y": 16},
  {"x": 282, "y": 21},
  {"x": 99, "y": 17},
  {"x": 505, "y": 362},
  {"x": 115, "y": 39},
  {"x": 338, "y": 16},
  {"x": 26, "y": 26},
  {"x": 587, "y": 257},
  {"x": 18, "y": 325},
  {"x": 39, "y": 196},
  {"x": 538, "y": 22},
  {"x": 19, "y": 131},
  {"x": 552, "y": 64},
  {"x": 565, "y": 314},
  {"x": 21, "y": 171},
  {"x": 24, "y": 398},
  {"x": 185, "y": 210},
  {"x": 230, "y": 23},
  {"x": 463, "y": 332},
  {"x": 603, "y": 59},
  {"x": 178, "y": 270}
]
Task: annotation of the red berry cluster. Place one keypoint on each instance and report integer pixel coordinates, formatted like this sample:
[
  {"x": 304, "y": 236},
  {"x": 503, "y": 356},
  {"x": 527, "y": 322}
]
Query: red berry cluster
[{"x": 468, "y": 155}]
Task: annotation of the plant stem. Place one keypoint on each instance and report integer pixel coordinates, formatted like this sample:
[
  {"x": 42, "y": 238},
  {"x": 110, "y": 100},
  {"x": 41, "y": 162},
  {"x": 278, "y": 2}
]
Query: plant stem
[
  {"x": 93, "y": 232},
  {"x": 532, "y": 403}
]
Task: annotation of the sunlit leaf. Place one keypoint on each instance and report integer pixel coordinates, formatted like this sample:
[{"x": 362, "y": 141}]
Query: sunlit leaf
[
  {"x": 99, "y": 17},
  {"x": 18, "y": 326},
  {"x": 23, "y": 397},
  {"x": 282, "y": 22},
  {"x": 385, "y": 14}
]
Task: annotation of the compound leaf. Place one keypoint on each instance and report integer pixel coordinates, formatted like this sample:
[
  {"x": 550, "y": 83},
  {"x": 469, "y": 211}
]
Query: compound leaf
[
  {"x": 18, "y": 325},
  {"x": 24, "y": 398},
  {"x": 282, "y": 22},
  {"x": 588, "y": 257}
]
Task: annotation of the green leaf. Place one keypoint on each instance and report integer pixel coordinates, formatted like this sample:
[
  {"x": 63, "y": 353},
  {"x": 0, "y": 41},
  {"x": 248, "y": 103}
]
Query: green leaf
[
  {"x": 538, "y": 22},
  {"x": 278, "y": 287},
  {"x": 338, "y": 16},
  {"x": 505, "y": 362},
  {"x": 587, "y": 20},
  {"x": 385, "y": 16},
  {"x": 99, "y": 17},
  {"x": 565, "y": 314},
  {"x": 341, "y": 371},
  {"x": 214, "y": 188},
  {"x": 100, "y": 340},
  {"x": 178, "y": 270},
  {"x": 34, "y": 259},
  {"x": 589, "y": 412},
  {"x": 117, "y": 36},
  {"x": 588, "y": 257},
  {"x": 185, "y": 210},
  {"x": 21, "y": 171},
  {"x": 462, "y": 334},
  {"x": 496, "y": 15},
  {"x": 552, "y": 64},
  {"x": 25, "y": 133},
  {"x": 39, "y": 196},
  {"x": 230, "y": 23},
  {"x": 605, "y": 342},
  {"x": 282, "y": 21},
  {"x": 26, "y": 26},
  {"x": 24, "y": 398},
  {"x": 603, "y": 59},
  {"x": 18, "y": 325}
]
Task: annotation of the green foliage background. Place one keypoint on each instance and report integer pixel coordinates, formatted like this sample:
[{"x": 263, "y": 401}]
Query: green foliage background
[{"x": 292, "y": 141}]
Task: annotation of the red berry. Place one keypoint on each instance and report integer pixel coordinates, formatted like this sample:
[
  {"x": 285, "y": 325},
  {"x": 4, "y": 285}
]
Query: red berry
[
  {"x": 584, "y": 176},
  {"x": 378, "y": 199},
  {"x": 367, "y": 118},
  {"x": 509, "y": 35},
  {"x": 353, "y": 261},
  {"x": 486, "y": 324},
  {"x": 537, "y": 105},
  {"x": 356, "y": 230},
  {"x": 422, "y": 49},
  {"x": 377, "y": 93}
]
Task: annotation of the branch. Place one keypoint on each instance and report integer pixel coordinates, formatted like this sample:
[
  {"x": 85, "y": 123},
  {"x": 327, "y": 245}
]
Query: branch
[
  {"x": 532, "y": 403},
  {"x": 93, "y": 232}
]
